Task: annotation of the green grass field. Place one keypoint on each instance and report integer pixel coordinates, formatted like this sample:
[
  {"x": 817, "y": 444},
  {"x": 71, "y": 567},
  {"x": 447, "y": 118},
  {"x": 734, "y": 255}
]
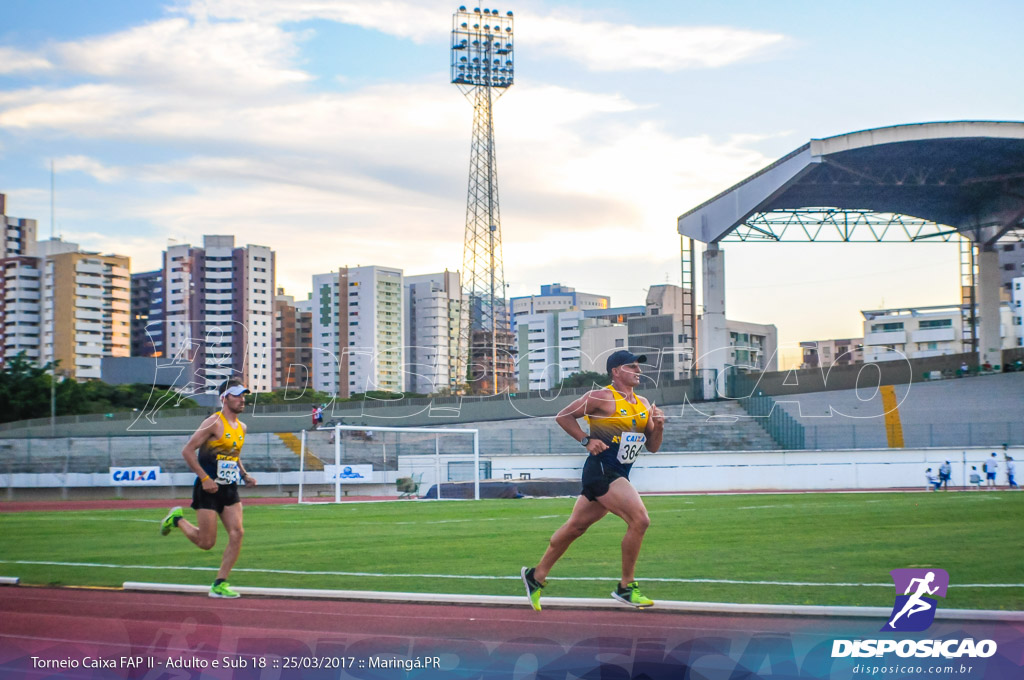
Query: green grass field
[{"x": 824, "y": 539}]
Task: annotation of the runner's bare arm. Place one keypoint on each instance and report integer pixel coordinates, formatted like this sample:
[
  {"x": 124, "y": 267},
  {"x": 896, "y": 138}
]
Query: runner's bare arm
[
  {"x": 199, "y": 437},
  {"x": 655, "y": 429},
  {"x": 592, "y": 403}
]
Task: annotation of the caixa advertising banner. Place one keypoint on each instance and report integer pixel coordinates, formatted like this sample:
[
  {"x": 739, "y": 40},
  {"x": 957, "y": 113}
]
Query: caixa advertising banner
[
  {"x": 134, "y": 476},
  {"x": 349, "y": 474}
]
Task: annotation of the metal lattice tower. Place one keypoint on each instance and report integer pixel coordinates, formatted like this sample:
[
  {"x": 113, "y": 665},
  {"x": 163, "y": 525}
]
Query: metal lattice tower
[{"x": 482, "y": 68}]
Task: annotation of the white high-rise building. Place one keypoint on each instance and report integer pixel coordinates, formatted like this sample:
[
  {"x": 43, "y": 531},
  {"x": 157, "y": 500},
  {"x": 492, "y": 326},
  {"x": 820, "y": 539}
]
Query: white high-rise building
[
  {"x": 1017, "y": 310},
  {"x": 20, "y": 320},
  {"x": 358, "y": 315},
  {"x": 61, "y": 304},
  {"x": 555, "y": 298},
  {"x": 19, "y": 288},
  {"x": 85, "y": 307},
  {"x": 553, "y": 346},
  {"x": 219, "y": 311},
  {"x": 434, "y": 306}
]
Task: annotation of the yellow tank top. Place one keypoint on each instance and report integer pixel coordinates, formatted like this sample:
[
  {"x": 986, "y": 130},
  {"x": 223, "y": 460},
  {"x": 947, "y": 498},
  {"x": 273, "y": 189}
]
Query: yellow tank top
[
  {"x": 626, "y": 418},
  {"x": 226, "y": 447}
]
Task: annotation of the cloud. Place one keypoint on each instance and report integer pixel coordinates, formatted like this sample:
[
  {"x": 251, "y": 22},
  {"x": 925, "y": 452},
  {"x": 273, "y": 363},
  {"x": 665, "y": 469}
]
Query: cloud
[
  {"x": 418, "y": 20},
  {"x": 216, "y": 133},
  {"x": 15, "y": 61},
  {"x": 226, "y": 58},
  {"x": 605, "y": 46},
  {"x": 87, "y": 165},
  {"x": 598, "y": 45}
]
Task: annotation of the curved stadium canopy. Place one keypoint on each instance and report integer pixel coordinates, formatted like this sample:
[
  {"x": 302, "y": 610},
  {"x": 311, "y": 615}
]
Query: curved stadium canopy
[{"x": 966, "y": 175}]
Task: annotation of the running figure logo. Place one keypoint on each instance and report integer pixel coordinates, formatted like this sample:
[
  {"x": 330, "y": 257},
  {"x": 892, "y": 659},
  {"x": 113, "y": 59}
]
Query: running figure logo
[{"x": 913, "y": 611}]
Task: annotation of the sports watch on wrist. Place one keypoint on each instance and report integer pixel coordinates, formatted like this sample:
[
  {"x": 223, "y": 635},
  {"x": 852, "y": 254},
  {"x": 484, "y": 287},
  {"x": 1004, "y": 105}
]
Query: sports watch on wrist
[{"x": 585, "y": 441}]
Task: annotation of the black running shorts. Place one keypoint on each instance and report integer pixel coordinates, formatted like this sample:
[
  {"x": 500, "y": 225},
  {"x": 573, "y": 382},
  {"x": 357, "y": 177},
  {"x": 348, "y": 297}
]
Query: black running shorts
[
  {"x": 225, "y": 495},
  {"x": 597, "y": 477}
]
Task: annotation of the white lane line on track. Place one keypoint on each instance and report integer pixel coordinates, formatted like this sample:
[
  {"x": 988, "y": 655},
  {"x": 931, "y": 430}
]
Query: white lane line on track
[
  {"x": 56, "y": 517},
  {"x": 478, "y": 577}
]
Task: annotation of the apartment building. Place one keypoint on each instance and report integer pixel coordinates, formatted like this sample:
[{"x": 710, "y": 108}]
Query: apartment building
[
  {"x": 19, "y": 232},
  {"x": 556, "y": 345},
  {"x": 835, "y": 352},
  {"x": 218, "y": 311},
  {"x": 60, "y": 303},
  {"x": 915, "y": 332},
  {"x": 147, "y": 312},
  {"x": 293, "y": 336},
  {"x": 433, "y": 313},
  {"x": 358, "y": 339},
  {"x": 19, "y": 287},
  {"x": 554, "y": 298},
  {"x": 86, "y": 310},
  {"x": 21, "y": 307}
]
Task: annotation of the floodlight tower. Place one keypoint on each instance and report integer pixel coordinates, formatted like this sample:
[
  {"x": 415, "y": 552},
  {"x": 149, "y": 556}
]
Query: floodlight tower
[{"x": 482, "y": 68}]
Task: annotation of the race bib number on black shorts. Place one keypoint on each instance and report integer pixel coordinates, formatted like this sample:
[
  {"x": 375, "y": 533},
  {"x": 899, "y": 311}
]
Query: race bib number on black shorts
[{"x": 630, "y": 444}]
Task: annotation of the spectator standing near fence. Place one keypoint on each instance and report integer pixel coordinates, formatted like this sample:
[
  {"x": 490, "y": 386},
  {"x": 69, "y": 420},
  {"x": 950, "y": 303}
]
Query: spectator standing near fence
[
  {"x": 1011, "y": 469},
  {"x": 213, "y": 452},
  {"x": 945, "y": 474},
  {"x": 991, "y": 468}
]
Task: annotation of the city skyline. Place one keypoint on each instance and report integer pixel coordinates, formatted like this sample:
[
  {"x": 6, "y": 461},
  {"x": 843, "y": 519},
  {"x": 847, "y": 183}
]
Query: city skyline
[{"x": 332, "y": 135}]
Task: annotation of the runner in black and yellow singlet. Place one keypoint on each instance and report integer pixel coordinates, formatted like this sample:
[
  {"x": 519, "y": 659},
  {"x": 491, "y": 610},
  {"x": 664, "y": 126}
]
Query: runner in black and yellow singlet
[
  {"x": 621, "y": 423},
  {"x": 218, "y": 467},
  {"x": 622, "y": 432}
]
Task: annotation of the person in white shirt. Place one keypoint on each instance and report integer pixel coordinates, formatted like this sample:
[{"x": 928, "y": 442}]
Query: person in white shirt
[
  {"x": 991, "y": 468},
  {"x": 933, "y": 481},
  {"x": 1010, "y": 470}
]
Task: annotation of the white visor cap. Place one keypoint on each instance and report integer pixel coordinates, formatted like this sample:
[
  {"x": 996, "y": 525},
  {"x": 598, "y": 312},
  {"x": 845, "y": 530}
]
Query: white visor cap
[{"x": 236, "y": 391}]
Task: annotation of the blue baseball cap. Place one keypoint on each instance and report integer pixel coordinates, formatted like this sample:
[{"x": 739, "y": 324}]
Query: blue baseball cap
[{"x": 623, "y": 357}]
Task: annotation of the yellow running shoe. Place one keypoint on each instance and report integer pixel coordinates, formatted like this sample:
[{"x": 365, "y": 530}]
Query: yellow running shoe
[
  {"x": 222, "y": 589},
  {"x": 533, "y": 587},
  {"x": 632, "y": 596}
]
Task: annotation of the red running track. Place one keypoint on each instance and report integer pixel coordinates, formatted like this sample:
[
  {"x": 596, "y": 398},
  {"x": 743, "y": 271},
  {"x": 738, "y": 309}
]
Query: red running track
[{"x": 288, "y": 638}]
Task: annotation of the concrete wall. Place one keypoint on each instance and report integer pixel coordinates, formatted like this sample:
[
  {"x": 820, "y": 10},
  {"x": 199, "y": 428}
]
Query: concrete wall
[{"x": 675, "y": 472}]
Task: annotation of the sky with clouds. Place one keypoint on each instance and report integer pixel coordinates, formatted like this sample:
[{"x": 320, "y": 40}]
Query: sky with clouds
[{"x": 329, "y": 131}]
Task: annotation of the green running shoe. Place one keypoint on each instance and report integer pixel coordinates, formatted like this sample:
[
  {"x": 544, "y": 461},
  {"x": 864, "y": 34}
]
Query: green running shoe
[
  {"x": 632, "y": 596},
  {"x": 169, "y": 521},
  {"x": 222, "y": 589},
  {"x": 533, "y": 587}
]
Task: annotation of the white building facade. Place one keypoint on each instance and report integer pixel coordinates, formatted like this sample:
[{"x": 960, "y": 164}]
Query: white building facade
[
  {"x": 917, "y": 332},
  {"x": 357, "y": 331},
  {"x": 434, "y": 307},
  {"x": 555, "y": 298},
  {"x": 219, "y": 311},
  {"x": 556, "y": 345}
]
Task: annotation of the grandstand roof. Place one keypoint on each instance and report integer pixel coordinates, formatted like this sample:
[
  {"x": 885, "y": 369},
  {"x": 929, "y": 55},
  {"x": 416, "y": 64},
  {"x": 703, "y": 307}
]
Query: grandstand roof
[{"x": 968, "y": 175}]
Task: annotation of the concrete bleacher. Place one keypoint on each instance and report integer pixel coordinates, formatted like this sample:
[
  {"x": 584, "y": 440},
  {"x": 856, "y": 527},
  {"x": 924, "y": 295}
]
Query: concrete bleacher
[
  {"x": 263, "y": 451},
  {"x": 707, "y": 426},
  {"x": 973, "y": 411}
]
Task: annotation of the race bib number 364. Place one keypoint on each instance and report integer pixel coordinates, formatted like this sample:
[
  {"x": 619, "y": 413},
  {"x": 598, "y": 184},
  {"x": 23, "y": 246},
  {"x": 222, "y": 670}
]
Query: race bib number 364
[{"x": 630, "y": 444}]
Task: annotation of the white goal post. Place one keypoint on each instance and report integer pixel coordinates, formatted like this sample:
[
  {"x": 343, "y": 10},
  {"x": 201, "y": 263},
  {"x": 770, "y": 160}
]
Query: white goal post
[{"x": 437, "y": 453}]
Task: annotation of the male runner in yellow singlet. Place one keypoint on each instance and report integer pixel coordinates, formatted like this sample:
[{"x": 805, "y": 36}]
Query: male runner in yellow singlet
[
  {"x": 621, "y": 422},
  {"x": 218, "y": 469}
]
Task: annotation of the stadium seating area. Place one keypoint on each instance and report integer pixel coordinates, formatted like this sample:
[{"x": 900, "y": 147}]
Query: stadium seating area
[{"x": 973, "y": 411}]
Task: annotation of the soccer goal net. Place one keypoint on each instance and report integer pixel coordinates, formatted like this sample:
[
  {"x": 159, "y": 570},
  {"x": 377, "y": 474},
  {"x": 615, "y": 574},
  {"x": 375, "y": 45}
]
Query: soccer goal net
[{"x": 421, "y": 462}]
